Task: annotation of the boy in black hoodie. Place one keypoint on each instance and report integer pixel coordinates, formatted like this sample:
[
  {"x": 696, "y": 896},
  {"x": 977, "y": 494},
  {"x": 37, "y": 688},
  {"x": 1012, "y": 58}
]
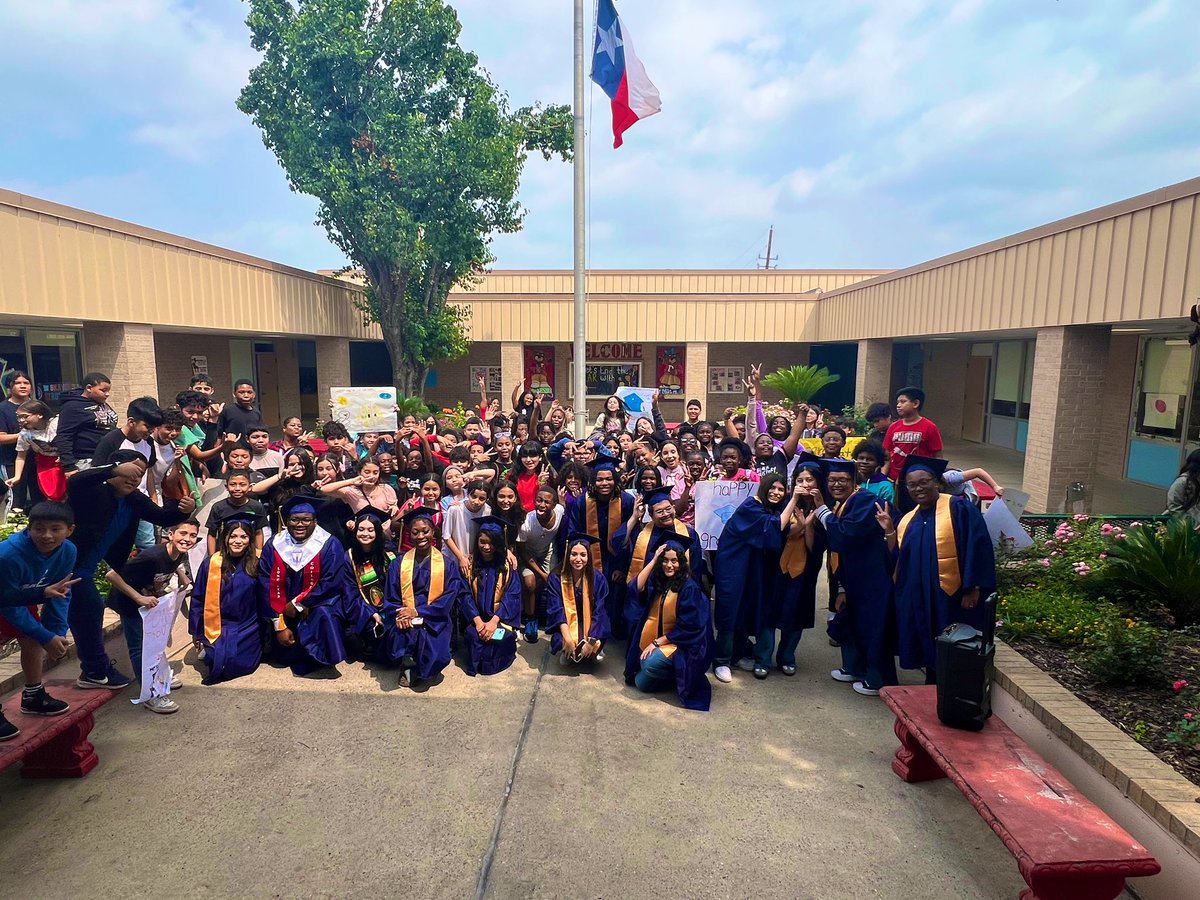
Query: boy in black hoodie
[{"x": 85, "y": 417}]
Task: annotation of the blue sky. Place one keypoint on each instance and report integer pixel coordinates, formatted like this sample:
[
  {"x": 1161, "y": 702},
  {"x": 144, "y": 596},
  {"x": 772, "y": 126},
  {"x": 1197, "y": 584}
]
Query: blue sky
[{"x": 871, "y": 134}]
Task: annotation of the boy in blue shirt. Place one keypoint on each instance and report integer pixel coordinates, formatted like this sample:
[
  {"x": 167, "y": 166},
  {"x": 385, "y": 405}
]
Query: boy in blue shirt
[{"x": 35, "y": 568}]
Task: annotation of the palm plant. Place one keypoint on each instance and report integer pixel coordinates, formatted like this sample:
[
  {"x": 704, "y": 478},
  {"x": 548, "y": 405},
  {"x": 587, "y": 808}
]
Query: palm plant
[
  {"x": 1161, "y": 564},
  {"x": 798, "y": 384}
]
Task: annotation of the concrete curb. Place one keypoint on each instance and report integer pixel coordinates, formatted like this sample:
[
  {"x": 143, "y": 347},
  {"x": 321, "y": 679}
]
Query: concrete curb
[{"x": 13, "y": 679}]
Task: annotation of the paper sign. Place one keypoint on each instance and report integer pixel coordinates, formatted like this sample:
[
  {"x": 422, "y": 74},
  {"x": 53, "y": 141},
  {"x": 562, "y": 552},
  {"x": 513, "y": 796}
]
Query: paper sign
[
  {"x": 1006, "y": 532},
  {"x": 1161, "y": 411},
  {"x": 156, "y": 635},
  {"x": 637, "y": 403},
  {"x": 716, "y": 502},
  {"x": 364, "y": 408}
]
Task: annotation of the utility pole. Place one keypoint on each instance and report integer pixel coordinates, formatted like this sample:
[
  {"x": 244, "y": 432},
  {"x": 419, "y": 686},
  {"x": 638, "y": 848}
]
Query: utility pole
[
  {"x": 769, "y": 259},
  {"x": 579, "y": 237}
]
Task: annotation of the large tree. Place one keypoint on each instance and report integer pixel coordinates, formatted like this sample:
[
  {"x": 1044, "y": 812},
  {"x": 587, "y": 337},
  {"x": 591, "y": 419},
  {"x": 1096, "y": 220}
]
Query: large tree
[{"x": 413, "y": 153}]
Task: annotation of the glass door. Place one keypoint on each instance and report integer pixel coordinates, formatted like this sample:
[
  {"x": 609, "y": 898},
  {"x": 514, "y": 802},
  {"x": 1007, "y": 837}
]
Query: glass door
[{"x": 1162, "y": 405}]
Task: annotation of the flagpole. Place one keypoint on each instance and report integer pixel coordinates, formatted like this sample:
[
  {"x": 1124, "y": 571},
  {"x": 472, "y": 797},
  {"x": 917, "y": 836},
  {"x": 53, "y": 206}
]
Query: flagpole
[{"x": 580, "y": 381}]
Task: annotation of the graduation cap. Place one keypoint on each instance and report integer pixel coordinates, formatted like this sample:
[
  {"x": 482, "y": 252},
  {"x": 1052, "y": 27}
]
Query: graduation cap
[
  {"x": 935, "y": 467},
  {"x": 490, "y": 524},
  {"x": 301, "y": 503},
  {"x": 829, "y": 465},
  {"x": 603, "y": 465},
  {"x": 582, "y": 537},
  {"x": 809, "y": 460},
  {"x": 418, "y": 512},
  {"x": 378, "y": 516},
  {"x": 238, "y": 516},
  {"x": 657, "y": 495}
]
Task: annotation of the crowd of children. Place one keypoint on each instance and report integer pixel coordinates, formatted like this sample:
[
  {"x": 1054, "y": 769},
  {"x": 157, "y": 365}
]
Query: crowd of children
[{"x": 406, "y": 548}]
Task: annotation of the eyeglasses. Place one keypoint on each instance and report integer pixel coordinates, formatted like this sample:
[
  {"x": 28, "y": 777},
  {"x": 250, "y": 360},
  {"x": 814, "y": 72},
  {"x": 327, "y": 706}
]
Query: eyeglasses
[{"x": 300, "y": 520}]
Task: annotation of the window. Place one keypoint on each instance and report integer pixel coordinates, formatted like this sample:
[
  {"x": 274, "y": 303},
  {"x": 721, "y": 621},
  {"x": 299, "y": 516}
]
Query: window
[{"x": 1163, "y": 388}]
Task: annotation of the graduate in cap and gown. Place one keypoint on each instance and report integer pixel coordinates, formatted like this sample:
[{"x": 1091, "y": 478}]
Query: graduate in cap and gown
[
  {"x": 577, "y": 604},
  {"x": 600, "y": 513},
  {"x": 747, "y": 575},
  {"x": 223, "y": 617},
  {"x": 945, "y": 564},
  {"x": 804, "y": 546},
  {"x": 860, "y": 574},
  {"x": 491, "y": 605},
  {"x": 424, "y": 588},
  {"x": 302, "y": 588},
  {"x": 669, "y": 643},
  {"x": 367, "y": 564},
  {"x": 636, "y": 541}
]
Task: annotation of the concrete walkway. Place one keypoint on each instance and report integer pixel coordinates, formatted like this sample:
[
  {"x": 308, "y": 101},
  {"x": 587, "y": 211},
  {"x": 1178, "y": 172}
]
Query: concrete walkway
[{"x": 347, "y": 786}]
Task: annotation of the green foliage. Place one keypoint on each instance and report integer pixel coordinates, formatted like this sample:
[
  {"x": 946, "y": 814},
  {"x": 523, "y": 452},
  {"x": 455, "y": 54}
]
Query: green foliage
[
  {"x": 1186, "y": 733},
  {"x": 1126, "y": 652},
  {"x": 411, "y": 406},
  {"x": 16, "y": 521},
  {"x": 798, "y": 384},
  {"x": 1052, "y": 612},
  {"x": 1162, "y": 564},
  {"x": 411, "y": 150},
  {"x": 857, "y": 415},
  {"x": 457, "y": 415}
]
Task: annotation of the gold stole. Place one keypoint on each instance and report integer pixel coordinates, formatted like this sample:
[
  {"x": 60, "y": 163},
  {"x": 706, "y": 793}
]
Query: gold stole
[
  {"x": 437, "y": 577},
  {"x": 212, "y": 600},
  {"x": 659, "y": 622},
  {"x": 835, "y": 559},
  {"x": 501, "y": 581},
  {"x": 949, "y": 573},
  {"x": 643, "y": 544},
  {"x": 579, "y": 618},
  {"x": 794, "y": 559},
  {"x": 593, "y": 522}
]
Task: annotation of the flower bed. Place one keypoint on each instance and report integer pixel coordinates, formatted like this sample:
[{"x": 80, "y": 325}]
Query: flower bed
[{"x": 1113, "y": 613}]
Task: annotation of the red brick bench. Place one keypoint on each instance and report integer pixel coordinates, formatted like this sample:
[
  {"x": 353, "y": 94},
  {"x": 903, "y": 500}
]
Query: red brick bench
[
  {"x": 1065, "y": 845},
  {"x": 56, "y": 746}
]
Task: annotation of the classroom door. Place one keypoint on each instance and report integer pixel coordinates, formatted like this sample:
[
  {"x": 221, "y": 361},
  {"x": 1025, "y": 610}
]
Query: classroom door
[
  {"x": 268, "y": 386},
  {"x": 975, "y": 401}
]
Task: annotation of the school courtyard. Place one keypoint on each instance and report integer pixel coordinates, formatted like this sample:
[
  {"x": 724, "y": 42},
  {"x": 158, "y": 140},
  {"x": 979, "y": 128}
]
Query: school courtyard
[{"x": 532, "y": 783}]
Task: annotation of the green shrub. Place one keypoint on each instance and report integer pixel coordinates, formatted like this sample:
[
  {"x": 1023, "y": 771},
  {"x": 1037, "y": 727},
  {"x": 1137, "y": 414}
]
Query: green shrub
[
  {"x": 1126, "y": 652},
  {"x": 1053, "y": 613},
  {"x": 798, "y": 384},
  {"x": 1158, "y": 566}
]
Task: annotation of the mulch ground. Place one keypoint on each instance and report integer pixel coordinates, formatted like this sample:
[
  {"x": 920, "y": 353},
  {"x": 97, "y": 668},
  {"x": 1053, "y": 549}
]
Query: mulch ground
[{"x": 1144, "y": 712}]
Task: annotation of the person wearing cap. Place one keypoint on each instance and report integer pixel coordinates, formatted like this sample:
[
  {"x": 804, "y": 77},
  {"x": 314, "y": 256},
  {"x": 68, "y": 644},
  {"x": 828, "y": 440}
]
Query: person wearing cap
[
  {"x": 636, "y": 541},
  {"x": 945, "y": 564},
  {"x": 367, "y": 564},
  {"x": 799, "y": 564},
  {"x": 746, "y": 577},
  {"x": 302, "y": 589},
  {"x": 491, "y": 606},
  {"x": 600, "y": 514},
  {"x": 577, "y": 604},
  {"x": 669, "y": 644},
  {"x": 860, "y": 581},
  {"x": 423, "y": 591},
  {"x": 223, "y": 617}
]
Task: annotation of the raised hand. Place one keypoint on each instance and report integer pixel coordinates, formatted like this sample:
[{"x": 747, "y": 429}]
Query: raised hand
[
  {"x": 60, "y": 590},
  {"x": 884, "y": 518}
]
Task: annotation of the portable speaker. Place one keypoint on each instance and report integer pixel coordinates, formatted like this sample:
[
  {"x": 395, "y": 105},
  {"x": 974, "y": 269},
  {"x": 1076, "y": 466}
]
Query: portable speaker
[{"x": 965, "y": 666}]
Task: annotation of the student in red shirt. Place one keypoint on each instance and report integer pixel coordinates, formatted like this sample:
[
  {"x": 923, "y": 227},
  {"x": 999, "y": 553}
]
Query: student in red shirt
[{"x": 910, "y": 435}]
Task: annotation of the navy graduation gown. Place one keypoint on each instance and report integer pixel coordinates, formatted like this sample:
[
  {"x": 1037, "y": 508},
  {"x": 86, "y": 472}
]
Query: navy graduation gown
[
  {"x": 578, "y": 522},
  {"x": 490, "y": 657},
  {"x": 556, "y": 612},
  {"x": 319, "y": 640},
  {"x": 238, "y": 649},
  {"x": 923, "y": 609},
  {"x": 622, "y": 606},
  {"x": 429, "y": 644},
  {"x": 796, "y": 598},
  {"x": 691, "y": 637},
  {"x": 746, "y": 569},
  {"x": 864, "y": 574}
]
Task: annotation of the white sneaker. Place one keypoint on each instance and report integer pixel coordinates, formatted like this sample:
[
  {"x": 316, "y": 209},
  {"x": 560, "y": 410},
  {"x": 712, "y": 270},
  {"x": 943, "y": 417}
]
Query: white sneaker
[
  {"x": 746, "y": 664},
  {"x": 723, "y": 674},
  {"x": 176, "y": 682},
  {"x": 600, "y": 657},
  {"x": 860, "y": 687},
  {"x": 164, "y": 706},
  {"x": 842, "y": 675}
]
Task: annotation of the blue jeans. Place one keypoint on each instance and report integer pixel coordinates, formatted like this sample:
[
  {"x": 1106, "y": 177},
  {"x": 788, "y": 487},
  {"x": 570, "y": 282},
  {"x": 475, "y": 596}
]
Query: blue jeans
[
  {"x": 146, "y": 535},
  {"x": 131, "y": 626},
  {"x": 873, "y": 673},
  {"x": 85, "y": 615},
  {"x": 725, "y": 645},
  {"x": 788, "y": 642},
  {"x": 657, "y": 673}
]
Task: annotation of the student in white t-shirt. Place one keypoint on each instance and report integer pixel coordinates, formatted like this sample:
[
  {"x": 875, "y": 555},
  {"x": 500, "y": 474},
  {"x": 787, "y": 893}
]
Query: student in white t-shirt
[{"x": 537, "y": 550}]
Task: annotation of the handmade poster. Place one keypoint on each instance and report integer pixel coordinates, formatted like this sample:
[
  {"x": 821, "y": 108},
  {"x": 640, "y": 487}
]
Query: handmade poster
[
  {"x": 817, "y": 448},
  {"x": 156, "y": 635},
  {"x": 1161, "y": 411},
  {"x": 715, "y": 504},
  {"x": 670, "y": 370},
  {"x": 637, "y": 403},
  {"x": 726, "y": 379},
  {"x": 364, "y": 408},
  {"x": 539, "y": 369},
  {"x": 1004, "y": 528}
]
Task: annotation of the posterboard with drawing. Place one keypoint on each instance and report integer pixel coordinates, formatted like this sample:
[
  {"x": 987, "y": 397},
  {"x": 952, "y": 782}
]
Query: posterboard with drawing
[
  {"x": 1003, "y": 520},
  {"x": 364, "y": 408},
  {"x": 637, "y": 403},
  {"x": 715, "y": 505},
  {"x": 156, "y": 636}
]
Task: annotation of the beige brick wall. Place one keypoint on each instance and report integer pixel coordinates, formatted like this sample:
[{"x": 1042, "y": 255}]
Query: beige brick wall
[
  {"x": 1069, "y": 377},
  {"x": 873, "y": 376},
  {"x": 174, "y": 352},
  {"x": 454, "y": 378},
  {"x": 333, "y": 370},
  {"x": 126, "y": 354},
  {"x": 696, "y": 369},
  {"x": 945, "y": 377},
  {"x": 770, "y": 356},
  {"x": 1116, "y": 410}
]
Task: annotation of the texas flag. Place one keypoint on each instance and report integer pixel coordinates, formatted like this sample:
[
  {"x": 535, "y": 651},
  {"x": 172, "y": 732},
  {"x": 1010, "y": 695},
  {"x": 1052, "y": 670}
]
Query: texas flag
[{"x": 616, "y": 68}]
